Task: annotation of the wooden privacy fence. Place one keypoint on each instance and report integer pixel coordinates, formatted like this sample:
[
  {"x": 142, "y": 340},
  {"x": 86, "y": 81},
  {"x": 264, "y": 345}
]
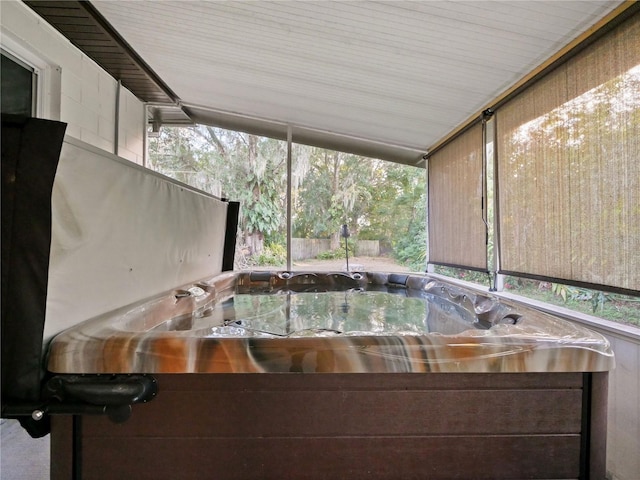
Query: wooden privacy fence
[
  {"x": 368, "y": 248},
  {"x": 302, "y": 248}
]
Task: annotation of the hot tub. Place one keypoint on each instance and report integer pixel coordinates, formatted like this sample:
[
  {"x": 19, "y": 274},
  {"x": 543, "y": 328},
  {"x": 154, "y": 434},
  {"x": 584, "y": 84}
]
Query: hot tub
[{"x": 339, "y": 375}]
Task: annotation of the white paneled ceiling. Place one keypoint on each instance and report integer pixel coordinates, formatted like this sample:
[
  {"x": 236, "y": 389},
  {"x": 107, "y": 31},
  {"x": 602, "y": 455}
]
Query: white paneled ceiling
[{"x": 389, "y": 76}]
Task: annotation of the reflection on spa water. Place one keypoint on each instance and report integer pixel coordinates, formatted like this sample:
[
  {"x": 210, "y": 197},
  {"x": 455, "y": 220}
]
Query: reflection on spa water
[{"x": 349, "y": 312}]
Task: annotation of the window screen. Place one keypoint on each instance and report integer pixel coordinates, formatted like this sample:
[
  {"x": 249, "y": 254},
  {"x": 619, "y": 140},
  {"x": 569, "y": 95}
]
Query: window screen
[
  {"x": 457, "y": 231},
  {"x": 569, "y": 168}
]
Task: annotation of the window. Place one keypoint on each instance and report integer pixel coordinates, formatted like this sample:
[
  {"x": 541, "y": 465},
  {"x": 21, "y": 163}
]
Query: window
[
  {"x": 241, "y": 167},
  {"x": 31, "y": 83},
  {"x": 19, "y": 83},
  {"x": 382, "y": 203}
]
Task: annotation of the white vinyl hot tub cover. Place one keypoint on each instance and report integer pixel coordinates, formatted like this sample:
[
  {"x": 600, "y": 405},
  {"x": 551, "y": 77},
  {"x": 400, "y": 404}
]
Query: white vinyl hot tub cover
[{"x": 121, "y": 233}]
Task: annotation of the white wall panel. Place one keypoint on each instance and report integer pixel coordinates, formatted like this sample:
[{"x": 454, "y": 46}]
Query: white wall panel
[
  {"x": 623, "y": 440},
  {"x": 131, "y": 135}
]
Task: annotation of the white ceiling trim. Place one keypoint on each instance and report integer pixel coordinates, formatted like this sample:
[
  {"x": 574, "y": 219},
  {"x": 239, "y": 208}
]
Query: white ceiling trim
[{"x": 305, "y": 135}]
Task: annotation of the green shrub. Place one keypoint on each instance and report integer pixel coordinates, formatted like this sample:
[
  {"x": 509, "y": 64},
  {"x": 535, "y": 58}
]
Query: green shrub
[
  {"x": 338, "y": 252},
  {"x": 273, "y": 255},
  {"x": 481, "y": 278},
  {"x": 411, "y": 249}
]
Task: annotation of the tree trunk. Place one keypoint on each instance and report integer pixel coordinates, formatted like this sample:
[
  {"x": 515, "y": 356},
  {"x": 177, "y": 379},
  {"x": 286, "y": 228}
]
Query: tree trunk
[{"x": 255, "y": 242}]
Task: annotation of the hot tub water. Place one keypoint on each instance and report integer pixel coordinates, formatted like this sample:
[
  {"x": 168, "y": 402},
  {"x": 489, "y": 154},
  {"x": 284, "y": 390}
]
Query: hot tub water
[{"x": 349, "y": 312}]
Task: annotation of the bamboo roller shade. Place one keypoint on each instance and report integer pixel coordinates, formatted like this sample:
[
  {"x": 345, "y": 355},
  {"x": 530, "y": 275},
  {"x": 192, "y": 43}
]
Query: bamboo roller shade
[
  {"x": 457, "y": 232},
  {"x": 569, "y": 168}
]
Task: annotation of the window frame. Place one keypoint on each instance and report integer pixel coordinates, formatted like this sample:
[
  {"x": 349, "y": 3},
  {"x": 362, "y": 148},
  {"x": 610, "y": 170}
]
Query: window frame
[{"x": 48, "y": 77}]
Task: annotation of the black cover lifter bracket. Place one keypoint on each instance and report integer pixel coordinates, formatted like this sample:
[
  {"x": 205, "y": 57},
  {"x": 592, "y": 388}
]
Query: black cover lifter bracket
[{"x": 110, "y": 395}]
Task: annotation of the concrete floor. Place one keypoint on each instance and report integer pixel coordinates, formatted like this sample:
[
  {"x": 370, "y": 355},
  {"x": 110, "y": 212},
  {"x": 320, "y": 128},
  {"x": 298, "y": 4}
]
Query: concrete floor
[{"x": 22, "y": 457}]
